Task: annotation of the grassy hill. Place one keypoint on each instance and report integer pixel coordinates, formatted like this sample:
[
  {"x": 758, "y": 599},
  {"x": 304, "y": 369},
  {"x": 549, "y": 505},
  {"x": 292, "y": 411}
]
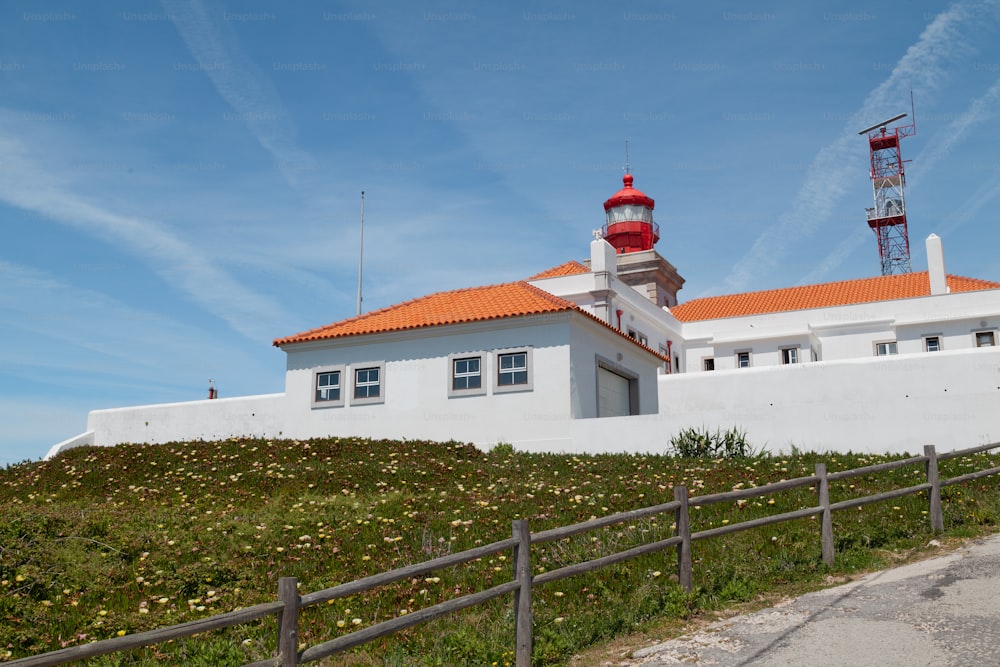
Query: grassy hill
[{"x": 106, "y": 541}]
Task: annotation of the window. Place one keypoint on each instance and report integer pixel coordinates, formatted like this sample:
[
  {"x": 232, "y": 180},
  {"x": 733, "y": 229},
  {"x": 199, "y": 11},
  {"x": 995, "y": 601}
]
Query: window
[
  {"x": 638, "y": 336},
  {"x": 743, "y": 360},
  {"x": 932, "y": 343},
  {"x": 985, "y": 339},
  {"x": 369, "y": 381},
  {"x": 790, "y": 355},
  {"x": 708, "y": 363},
  {"x": 328, "y": 387},
  {"x": 512, "y": 370},
  {"x": 885, "y": 349},
  {"x": 466, "y": 374}
]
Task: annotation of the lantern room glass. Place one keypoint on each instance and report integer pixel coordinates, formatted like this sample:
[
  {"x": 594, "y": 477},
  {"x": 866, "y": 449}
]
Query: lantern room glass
[{"x": 630, "y": 213}]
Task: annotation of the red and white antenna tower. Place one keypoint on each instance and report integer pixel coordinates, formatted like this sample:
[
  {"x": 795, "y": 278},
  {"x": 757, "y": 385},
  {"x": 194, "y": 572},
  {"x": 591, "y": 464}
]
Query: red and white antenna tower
[{"x": 888, "y": 217}]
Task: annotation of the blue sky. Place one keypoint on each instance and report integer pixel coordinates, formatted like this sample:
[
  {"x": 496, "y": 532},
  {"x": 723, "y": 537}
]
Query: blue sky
[{"x": 180, "y": 180}]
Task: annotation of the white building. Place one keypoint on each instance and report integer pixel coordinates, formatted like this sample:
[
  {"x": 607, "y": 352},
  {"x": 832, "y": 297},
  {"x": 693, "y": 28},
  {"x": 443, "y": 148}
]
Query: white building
[{"x": 599, "y": 356}]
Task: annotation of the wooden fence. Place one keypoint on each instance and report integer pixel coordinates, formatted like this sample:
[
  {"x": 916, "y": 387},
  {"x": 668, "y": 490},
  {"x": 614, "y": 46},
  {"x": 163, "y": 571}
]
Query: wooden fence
[{"x": 290, "y": 603}]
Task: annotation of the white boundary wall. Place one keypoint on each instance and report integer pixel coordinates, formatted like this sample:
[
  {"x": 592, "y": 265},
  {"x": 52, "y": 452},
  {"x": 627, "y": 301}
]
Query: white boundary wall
[
  {"x": 891, "y": 404},
  {"x": 256, "y": 416}
]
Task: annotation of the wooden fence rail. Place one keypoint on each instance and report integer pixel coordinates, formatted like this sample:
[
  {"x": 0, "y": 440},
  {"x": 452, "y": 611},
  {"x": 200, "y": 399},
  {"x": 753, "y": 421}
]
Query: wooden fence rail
[{"x": 290, "y": 603}]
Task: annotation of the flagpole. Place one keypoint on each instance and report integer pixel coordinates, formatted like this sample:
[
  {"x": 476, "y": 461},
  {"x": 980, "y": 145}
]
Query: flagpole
[{"x": 361, "y": 248}]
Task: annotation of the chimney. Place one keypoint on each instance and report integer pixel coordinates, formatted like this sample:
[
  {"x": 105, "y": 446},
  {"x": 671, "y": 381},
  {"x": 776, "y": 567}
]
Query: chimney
[
  {"x": 602, "y": 256},
  {"x": 935, "y": 265}
]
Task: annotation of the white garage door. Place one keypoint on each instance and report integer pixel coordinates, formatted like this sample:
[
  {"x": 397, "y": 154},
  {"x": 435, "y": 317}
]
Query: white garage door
[{"x": 612, "y": 394}]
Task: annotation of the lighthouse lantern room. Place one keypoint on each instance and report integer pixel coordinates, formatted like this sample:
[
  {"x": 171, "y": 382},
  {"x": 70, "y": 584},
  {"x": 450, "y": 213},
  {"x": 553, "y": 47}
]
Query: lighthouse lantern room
[{"x": 630, "y": 226}]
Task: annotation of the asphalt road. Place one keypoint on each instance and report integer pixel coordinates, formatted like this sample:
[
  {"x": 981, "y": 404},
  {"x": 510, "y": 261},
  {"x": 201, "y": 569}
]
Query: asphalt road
[{"x": 943, "y": 612}]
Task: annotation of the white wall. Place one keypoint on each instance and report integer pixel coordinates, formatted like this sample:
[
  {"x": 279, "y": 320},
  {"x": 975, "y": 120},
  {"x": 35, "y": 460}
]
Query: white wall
[
  {"x": 417, "y": 376},
  {"x": 844, "y": 332},
  {"x": 415, "y": 390},
  {"x": 638, "y": 312},
  {"x": 949, "y": 398},
  {"x": 900, "y": 403},
  {"x": 895, "y": 404},
  {"x": 626, "y": 358},
  {"x": 84, "y": 439},
  {"x": 257, "y": 416}
]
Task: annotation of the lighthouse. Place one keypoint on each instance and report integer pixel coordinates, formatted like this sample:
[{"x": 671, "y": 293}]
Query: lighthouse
[
  {"x": 630, "y": 230},
  {"x": 630, "y": 226}
]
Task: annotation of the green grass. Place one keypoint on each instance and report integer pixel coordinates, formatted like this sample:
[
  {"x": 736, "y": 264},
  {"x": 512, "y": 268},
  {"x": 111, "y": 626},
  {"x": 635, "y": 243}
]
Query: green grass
[{"x": 105, "y": 541}]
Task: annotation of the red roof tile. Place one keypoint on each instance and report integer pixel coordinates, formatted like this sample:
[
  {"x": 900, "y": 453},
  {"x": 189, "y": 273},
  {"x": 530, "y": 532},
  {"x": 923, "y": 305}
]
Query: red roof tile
[
  {"x": 466, "y": 305},
  {"x": 865, "y": 290},
  {"x": 570, "y": 268},
  {"x": 474, "y": 304}
]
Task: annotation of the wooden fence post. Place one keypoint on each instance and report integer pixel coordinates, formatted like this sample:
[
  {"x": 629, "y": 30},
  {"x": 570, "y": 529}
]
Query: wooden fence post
[
  {"x": 288, "y": 622},
  {"x": 826, "y": 523},
  {"x": 937, "y": 515},
  {"x": 684, "y": 574},
  {"x": 522, "y": 596}
]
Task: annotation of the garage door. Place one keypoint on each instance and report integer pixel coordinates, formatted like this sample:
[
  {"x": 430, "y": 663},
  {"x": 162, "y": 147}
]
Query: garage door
[{"x": 612, "y": 394}]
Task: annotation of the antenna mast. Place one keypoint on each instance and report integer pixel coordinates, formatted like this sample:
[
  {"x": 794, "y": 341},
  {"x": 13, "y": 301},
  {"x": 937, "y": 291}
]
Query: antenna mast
[
  {"x": 628, "y": 167},
  {"x": 887, "y": 218},
  {"x": 361, "y": 249}
]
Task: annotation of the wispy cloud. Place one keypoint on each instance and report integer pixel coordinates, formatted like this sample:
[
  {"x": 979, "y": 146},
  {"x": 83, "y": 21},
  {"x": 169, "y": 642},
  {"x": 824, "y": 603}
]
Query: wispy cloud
[
  {"x": 29, "y": 185},
  {"x": 983, "y": 196},
  {"x": 981, "y": 109},
  {"x": 69, "y": 349},
  {"x": 82, "y": 343},
  {"x": 922, "y": 67},
  {"x": 238, "y": 81}
]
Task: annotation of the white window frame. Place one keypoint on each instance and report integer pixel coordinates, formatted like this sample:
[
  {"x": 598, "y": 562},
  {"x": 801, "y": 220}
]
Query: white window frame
[
  {"x": 475, "y": 391},
  {"x": 706, "y": 362},
  {"x": 367, "y": 366},
  {"x": 888, "y": 352},
  {"x": 937, "y": 343},
  {"x": 498, "y": 355},
  {"x": 790, "y": 355},
  {"x": 329, "y": 403},
  {"x": 985, "y": 332},
  {"x": 749, "y": 355}
]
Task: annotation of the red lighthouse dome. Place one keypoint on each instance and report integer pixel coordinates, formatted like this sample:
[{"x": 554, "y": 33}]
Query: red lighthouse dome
[{"x": 630, "y": 226}]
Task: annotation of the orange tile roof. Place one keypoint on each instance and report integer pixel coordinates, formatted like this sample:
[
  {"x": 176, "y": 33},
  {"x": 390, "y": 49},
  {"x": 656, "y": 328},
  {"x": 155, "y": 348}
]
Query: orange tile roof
[
  {"x": 473, "y": 304},
  {"x": 847, "y": 292},
  {"x": 570, "y": 268}
]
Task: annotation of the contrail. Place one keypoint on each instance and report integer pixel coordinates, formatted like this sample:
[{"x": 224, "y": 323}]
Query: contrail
[
  {"x": 29, "y": 186},
  {"x": 922, "y": 67},
  {"x": 246, "y": 89}
]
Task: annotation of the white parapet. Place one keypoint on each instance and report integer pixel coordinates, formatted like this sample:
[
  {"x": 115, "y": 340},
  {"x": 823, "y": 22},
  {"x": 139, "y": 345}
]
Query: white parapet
[{"x": 86, "y": 438}]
